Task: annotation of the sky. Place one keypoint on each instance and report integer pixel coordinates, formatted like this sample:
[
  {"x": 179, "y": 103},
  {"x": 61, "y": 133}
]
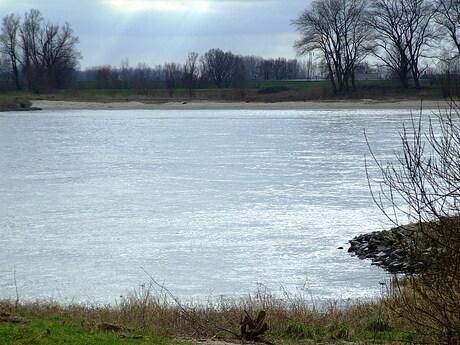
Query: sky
[{"x": 159, "y": 31}]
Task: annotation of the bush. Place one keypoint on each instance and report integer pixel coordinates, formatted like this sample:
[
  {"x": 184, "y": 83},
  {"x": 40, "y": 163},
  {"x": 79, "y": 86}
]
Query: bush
[
  {"x": 423, "y": 184},
  {"x": 299, "y": 331},
  {"x": 378, "y": 324},
  {"x": 340, "y": 330}
]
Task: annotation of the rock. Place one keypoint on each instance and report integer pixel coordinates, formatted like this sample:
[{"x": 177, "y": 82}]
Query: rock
[{"x": 381, "y": 247}]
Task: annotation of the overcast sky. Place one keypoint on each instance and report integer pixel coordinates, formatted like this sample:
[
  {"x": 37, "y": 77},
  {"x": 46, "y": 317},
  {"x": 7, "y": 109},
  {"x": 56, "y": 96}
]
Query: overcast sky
[{"x": 159, "y": 31}]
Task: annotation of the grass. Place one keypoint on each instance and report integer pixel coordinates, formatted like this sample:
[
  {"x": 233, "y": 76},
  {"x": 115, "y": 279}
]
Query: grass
[
  {"x": 52, "y": 330},
  {"x": 255, "y": 91},
  {"x": 151, "y": 315}
]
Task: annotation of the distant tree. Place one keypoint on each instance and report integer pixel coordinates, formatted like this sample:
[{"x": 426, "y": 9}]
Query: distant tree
[
  {"x": 155, "y": 73},
  {"x": 49, "y": 55},
  {"x": 447, "y": 16},
  {"x": 279, "y": 68},
  {"x": 276, "y": 69},
  {"x": 173, "y": 74},
  {"x": 239, "y": 77},
  {"x": 217, "y": 65},
  {"x": 124, "y": 72},
  {"x": 266, "y": 69},
  {"x": 339, "y": 30},
  {"x": 5, "y": 69},
  {"x": 447, "y": 75},
  {"x": 143, "y": 76},
  {"x": 293, "y": 69},
  {"x": 309, "y": 67},
  {"x": 251, "y": 64},
  {"x": 191, "y": 72},
  {"x": 403, "y": 32},
  {"x": 106, "y": 76},
  {"x": 9, "y": 45},
  {"x": 44, "y": 53}
]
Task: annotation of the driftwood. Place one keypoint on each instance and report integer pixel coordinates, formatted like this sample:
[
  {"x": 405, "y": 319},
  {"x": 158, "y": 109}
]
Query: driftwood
[{"x": 252, "y": 329}]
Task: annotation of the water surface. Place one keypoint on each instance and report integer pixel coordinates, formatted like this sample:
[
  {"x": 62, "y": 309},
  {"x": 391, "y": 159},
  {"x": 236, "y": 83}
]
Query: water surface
[{"x": 208, "y": 202}]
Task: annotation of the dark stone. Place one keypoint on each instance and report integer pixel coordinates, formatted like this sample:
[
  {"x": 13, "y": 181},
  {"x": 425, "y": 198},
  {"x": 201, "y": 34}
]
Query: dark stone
[{"x": 382, "y": 249}]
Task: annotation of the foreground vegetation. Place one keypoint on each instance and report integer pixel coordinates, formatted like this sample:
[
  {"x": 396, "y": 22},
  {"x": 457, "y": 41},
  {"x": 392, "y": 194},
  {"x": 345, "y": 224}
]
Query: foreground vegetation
[{"x": 149, "y": 317}]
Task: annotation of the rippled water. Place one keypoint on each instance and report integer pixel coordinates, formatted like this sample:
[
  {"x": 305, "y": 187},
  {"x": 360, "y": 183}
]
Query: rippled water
[{"x": 207, "y": 202}]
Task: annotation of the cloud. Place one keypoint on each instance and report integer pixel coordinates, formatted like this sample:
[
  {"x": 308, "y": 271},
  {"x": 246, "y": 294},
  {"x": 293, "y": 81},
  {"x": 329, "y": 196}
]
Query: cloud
[
  {"x": 155, "y": 31},
  {"x": 159, "y": 6}
]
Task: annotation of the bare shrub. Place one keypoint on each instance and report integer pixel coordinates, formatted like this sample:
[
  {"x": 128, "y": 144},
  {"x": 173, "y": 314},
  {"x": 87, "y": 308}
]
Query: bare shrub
[{"x": 424, "y": 185}]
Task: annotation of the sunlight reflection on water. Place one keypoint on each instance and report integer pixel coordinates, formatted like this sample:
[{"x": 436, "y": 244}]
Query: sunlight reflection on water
[{"x": 207, "y": 202}]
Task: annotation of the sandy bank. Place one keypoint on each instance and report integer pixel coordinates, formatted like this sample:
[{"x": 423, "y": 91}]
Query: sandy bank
[{"x": 199, "y": 105}]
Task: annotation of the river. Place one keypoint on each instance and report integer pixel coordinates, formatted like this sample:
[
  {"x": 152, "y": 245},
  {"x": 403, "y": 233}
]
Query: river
[{"x": 208, "y": 202}]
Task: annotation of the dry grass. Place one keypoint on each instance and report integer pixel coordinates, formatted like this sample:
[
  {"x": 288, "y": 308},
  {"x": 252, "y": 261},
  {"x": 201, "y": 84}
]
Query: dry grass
[{"x": 153, "y": 310}]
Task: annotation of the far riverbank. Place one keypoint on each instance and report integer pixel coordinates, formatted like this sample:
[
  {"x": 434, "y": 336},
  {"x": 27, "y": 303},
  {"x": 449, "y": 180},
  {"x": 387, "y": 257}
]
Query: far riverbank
[{"x": 201, "y": 105}]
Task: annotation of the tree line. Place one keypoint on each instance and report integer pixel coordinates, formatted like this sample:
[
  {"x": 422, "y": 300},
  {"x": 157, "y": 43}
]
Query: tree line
[
  {"x": 338, "y": 37},
  {"x": 215, "y": 68},
  {"x": 398, "y": 34},
  {"x": 39, "y": 55}
]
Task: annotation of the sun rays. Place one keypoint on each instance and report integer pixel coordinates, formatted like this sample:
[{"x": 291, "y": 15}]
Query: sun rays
[{"x": 161, "y": 5}]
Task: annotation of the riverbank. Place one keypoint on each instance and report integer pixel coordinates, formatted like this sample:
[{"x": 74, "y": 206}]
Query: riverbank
[
  {"x": 202, "y": 105},
  {"x": 16, "y": 104},
  {"x": 151, "y": 317}
]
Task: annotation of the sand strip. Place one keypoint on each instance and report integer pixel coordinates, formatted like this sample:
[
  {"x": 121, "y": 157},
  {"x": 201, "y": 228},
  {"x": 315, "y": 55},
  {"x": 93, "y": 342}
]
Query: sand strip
[{"x": 199, "y": 105}]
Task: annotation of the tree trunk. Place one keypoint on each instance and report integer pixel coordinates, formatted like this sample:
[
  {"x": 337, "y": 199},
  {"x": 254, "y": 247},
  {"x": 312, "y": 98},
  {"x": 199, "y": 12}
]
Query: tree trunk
[{"x": 17, "y": 81}]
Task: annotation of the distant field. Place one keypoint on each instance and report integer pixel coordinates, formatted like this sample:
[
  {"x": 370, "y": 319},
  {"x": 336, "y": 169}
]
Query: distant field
[{"x": 254, "y": 91}]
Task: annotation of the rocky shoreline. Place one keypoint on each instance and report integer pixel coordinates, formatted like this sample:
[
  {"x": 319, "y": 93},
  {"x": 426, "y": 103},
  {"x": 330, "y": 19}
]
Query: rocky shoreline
[{"x": 385, "y": 249}]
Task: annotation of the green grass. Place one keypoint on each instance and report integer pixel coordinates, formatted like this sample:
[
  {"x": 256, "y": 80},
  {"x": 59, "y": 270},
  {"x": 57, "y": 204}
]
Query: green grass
[
  {"x": 29, "y": 328},
  {"x": 278, "y": 91},
  {"x": 43, "y": 330},
  {"x": 341, "y": 332},
  {"x": 301, "y": 85}
]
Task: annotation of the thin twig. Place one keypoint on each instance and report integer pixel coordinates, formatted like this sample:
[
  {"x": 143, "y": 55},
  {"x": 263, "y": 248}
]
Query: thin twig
[{"x": 187, "y": 311}]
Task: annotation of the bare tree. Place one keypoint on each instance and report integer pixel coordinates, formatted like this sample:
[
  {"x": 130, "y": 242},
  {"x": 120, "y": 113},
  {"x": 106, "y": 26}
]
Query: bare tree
[
  {"x": 9, "y": 45},
  {"x": 266, "y": 69},
  {"x": 422, "y": 184},
  {"x": 338, "y": 29},
  {"x": 447, "y": 16},
  {"x": 29, "y": 38},
  {"x": 173, "y": 73},
  {"x": 191, "y": 72},
  {"x": 448, "y": 75},
  {"x": 106, "y": 76},
  {"x": 142, "y": 77},
  {"x": 309, "y": 67},
  {"x": 59, "y": 56},
  {"x": 403, "y": 32},
  {"x": 218, "y": 65},
  {"x": 280, "y": 69},
  {"x": 239, "y": 77},
  {"x": 45, "y": 53},
  {"x": 251, "y": 64},
  {"x": 124, "y": 72},
  {"x": 293, "y": 69}
]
